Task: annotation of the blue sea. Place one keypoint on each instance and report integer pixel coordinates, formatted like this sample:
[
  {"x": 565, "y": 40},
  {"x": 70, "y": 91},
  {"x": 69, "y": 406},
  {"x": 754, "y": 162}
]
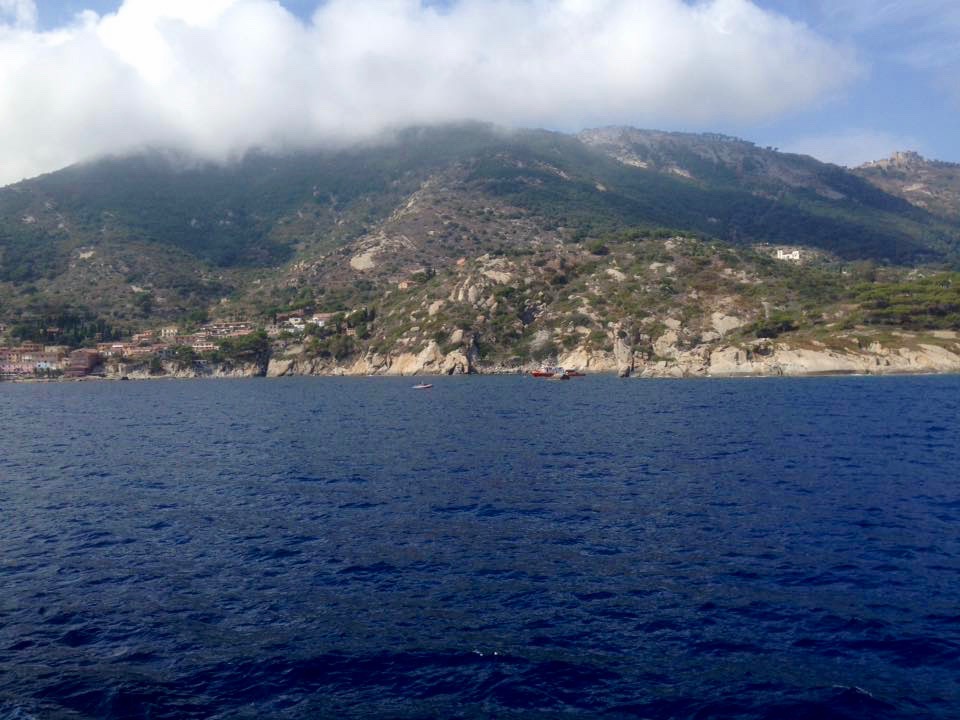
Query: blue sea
[{"x": 496, "y": 547}]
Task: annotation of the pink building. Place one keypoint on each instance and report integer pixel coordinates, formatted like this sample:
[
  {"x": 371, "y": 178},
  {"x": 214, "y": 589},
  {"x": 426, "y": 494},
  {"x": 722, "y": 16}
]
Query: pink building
[{"x": 82, "y": 362}]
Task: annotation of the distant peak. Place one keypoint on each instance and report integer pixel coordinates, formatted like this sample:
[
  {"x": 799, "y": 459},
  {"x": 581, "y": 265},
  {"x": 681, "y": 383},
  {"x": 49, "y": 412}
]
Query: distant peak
[{"x": 900, "y": 159}]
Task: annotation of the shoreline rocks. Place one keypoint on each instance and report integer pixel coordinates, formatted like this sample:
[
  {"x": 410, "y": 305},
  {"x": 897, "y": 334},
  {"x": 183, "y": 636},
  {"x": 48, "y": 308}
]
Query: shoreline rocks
[{"x": 762, "y": 358}]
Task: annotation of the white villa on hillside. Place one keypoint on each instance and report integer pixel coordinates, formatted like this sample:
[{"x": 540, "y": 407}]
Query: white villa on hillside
[{"x": 793, "y": 255}]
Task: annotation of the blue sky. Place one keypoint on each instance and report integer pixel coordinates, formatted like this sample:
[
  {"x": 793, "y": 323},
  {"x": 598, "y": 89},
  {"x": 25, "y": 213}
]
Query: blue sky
[
  {"x": 909, "y": 90},
  {"x": 843, "y": 80}
]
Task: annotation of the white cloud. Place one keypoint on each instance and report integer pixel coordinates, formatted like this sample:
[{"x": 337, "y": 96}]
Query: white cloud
[
  {"x": 217, "y": 77},
  {"x": 852, "y": 147},
  {"x": 19, "y": 13}
]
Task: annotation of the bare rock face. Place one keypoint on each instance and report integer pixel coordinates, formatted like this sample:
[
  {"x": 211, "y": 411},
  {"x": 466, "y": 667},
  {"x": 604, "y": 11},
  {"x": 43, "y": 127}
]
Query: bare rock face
[
  {"x": 723, "y": 323},
  {"x": 665, "y": 346},
  {"x": 369, "y": 364},
  {"x": 373, "y": 246},
  {"x": 281, "y": 367},
  {"x": 470, "y": 290},
  {"x": 430, "y": 361},
  {"x": 498, "y": 276},
  {"x": 728, "y": 361},
  {"x": 363, "y": 261},
  {"x": 695, "y": 363},
  {"x": 784, "y": 360},
  {"x": 928, "y": 358},
  {"x": 456, "y": 363},
  {"x": 623, "y": 354},
  {"x": 171, "y": 370},
  {"x": 427, "y": 360},
  {"x": 582, "y": 359},
  {"x": 243, "y": 370}
]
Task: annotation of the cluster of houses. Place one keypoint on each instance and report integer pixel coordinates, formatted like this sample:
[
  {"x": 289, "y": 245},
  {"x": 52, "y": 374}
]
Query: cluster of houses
[
  {"x": 33, "y": 359},
  {"x": 153, "y": 342},
  {"x": 297, "y": 321}
]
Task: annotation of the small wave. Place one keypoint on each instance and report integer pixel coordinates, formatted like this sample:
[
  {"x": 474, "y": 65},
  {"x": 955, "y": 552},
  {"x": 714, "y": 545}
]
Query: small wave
[
  {"x": 380, "y": 568},
  {"x": 10, "y": 711}
]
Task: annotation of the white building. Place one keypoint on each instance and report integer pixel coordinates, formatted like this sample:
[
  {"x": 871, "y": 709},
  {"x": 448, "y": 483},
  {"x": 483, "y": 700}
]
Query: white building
[{"x": 321, "y": 319}]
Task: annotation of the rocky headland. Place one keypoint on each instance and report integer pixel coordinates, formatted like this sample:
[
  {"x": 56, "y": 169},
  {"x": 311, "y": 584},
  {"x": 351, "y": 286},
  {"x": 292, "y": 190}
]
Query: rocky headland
[{"x": 916, "y": 355}]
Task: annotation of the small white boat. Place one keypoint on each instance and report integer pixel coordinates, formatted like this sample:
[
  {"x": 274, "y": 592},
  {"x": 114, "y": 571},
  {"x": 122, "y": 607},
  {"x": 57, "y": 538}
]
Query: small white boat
[{"x": 422, "y": 386}]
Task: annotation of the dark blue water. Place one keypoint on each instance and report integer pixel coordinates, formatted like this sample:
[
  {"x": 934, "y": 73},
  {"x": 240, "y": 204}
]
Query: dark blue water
[{"x": 495, "y": 547}]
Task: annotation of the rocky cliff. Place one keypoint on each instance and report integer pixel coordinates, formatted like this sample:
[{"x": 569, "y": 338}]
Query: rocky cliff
[
  {"x": 914, "y": 354},
  {"x": 429, "y": 361},
  {"x": 901, "y": 353},
  {"x": 170, "y": 370},
  {"x": 782, "y": 359}
]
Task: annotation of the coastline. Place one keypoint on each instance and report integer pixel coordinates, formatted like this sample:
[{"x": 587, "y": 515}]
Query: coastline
[
  {"x": 668, "y": 373},
  {"x": 904, "y": 354}
]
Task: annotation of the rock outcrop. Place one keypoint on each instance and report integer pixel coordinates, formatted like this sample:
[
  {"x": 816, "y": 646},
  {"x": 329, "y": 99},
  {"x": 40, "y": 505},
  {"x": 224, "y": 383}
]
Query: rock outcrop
[
  {"x": 429, "y": 361},
  {"x": 623, "y": 355},
  {"x": 781, "y": 359},
  {"x": 755, "y": 358},
  {"x": 169, "y": 370}
]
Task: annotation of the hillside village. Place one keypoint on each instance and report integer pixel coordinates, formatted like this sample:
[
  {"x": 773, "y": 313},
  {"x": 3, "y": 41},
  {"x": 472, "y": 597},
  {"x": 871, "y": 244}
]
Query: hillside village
[{"x": 32, "y": 360}]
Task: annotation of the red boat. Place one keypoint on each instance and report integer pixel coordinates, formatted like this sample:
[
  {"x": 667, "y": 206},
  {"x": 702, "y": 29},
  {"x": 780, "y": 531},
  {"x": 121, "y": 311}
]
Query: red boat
[{"x": 558, "y": 373}]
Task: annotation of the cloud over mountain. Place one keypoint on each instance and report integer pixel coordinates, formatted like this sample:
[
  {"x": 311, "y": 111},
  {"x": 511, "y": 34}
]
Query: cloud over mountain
[{"x": 217, "y": 77}]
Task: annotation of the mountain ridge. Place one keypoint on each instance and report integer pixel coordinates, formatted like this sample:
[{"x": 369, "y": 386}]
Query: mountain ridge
[{"x": 581, "y": 225}]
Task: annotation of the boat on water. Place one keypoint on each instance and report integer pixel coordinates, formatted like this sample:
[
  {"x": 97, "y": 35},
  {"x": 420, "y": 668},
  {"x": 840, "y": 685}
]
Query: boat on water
[
  {"x": 423, "y": 386},
  {"x": 556, "y": 373}
]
